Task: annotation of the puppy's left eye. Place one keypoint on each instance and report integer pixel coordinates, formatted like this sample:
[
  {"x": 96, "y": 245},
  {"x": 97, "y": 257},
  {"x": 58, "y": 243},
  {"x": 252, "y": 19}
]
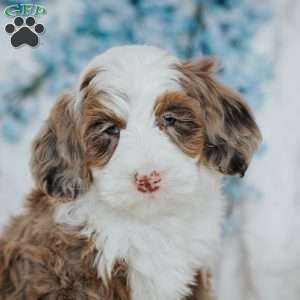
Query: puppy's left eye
[
  {"x": 168, "y": 120},
  {"x": 113, "y": 130}
]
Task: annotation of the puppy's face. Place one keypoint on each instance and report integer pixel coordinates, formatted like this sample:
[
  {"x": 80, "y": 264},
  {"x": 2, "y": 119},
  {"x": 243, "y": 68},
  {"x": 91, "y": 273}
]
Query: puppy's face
[{"x": 143, "y": 128}]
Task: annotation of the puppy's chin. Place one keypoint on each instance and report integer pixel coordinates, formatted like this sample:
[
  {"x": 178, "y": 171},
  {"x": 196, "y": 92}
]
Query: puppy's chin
[{"x": 180, "y": 188}]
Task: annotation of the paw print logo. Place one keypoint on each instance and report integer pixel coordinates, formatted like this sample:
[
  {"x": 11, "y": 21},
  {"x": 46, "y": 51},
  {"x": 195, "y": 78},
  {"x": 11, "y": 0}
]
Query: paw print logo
[{"x": 24, "y": 33}]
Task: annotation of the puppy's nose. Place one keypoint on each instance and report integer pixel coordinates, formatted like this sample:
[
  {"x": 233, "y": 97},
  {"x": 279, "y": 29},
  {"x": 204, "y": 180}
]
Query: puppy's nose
[{"x": 147, "y": 183}]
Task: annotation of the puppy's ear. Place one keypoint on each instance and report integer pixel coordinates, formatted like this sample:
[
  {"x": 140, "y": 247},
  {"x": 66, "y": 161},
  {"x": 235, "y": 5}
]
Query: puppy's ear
[
  {"x": 57, "y": 155},
  {"x": 231, "y": 133}
]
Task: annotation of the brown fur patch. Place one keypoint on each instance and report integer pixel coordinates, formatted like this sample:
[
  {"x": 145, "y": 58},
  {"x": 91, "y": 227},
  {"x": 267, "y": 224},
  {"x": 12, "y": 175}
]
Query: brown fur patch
[
  {"x": 70, "y": 143},
  {"x": 88, "y": 77},
  {"x": 57, "y": 154},
  {"x": 202, "y": 289},
  {"x": 231, "y": 133},
  {"x": 42, "y": 260},
  {"x": 187, "y": 131},
  {"x": 96, "y": 118}
]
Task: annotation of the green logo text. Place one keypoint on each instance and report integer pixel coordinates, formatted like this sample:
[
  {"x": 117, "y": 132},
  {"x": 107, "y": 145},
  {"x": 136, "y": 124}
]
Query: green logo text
[{"x": 25, "y": 10}]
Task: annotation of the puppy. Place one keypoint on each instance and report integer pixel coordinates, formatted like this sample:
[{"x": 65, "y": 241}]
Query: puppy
[{"x": 127, "y": 200}]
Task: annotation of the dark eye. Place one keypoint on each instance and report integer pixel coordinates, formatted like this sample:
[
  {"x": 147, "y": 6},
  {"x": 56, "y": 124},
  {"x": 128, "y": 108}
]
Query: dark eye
[
  {"x": 168, "y": 120},
  {"x": 113, "y": 130}
]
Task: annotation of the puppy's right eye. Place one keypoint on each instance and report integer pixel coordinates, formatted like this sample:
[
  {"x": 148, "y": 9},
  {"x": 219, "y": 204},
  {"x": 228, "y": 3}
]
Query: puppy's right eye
[
  {"x": 168, "y": 120},
  {"x": 113, "y": 130}
]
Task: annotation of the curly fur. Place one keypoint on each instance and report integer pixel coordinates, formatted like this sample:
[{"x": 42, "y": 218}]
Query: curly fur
[{"x": 88, "y": 232}]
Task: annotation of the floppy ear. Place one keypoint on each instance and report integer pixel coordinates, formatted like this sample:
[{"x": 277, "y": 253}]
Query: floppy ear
[
  {"x": 231, "y": 133},
  {"x": 57, "y": 156}
]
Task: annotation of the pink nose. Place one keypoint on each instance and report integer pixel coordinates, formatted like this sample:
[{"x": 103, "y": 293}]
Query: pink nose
[{"x": 148, "y": 183}]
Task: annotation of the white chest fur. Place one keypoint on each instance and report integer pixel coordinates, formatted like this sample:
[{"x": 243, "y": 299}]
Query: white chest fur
[{"x": 162, "y": 252}]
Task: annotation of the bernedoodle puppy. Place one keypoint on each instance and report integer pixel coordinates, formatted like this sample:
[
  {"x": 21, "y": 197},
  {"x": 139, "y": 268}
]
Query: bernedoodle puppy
[{"x": 127, "y": 201}]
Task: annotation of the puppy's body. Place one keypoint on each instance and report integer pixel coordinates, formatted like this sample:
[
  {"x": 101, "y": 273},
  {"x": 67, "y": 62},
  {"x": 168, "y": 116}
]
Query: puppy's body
[
  {"x": 127, "y": 203},
  {"x": 41, "y": 259},
  {"x": 164, "y": 248}
]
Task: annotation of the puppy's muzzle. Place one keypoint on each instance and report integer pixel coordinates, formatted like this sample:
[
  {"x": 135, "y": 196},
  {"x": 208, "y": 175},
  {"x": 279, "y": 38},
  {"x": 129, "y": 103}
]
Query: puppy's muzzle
[{"x": 148, "y": 183}]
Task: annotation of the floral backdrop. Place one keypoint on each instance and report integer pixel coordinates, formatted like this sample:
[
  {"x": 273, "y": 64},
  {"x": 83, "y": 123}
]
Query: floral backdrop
[{"x": 236, "y": 32}]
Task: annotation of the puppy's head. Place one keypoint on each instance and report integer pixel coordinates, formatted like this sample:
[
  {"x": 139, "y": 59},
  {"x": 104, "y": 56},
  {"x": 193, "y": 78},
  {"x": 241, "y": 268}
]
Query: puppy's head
[{"x": 143, "y": 127}]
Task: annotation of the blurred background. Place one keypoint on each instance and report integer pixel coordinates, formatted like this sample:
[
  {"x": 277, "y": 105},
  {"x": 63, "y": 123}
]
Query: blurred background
[{"x": 257, "y": 44}]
